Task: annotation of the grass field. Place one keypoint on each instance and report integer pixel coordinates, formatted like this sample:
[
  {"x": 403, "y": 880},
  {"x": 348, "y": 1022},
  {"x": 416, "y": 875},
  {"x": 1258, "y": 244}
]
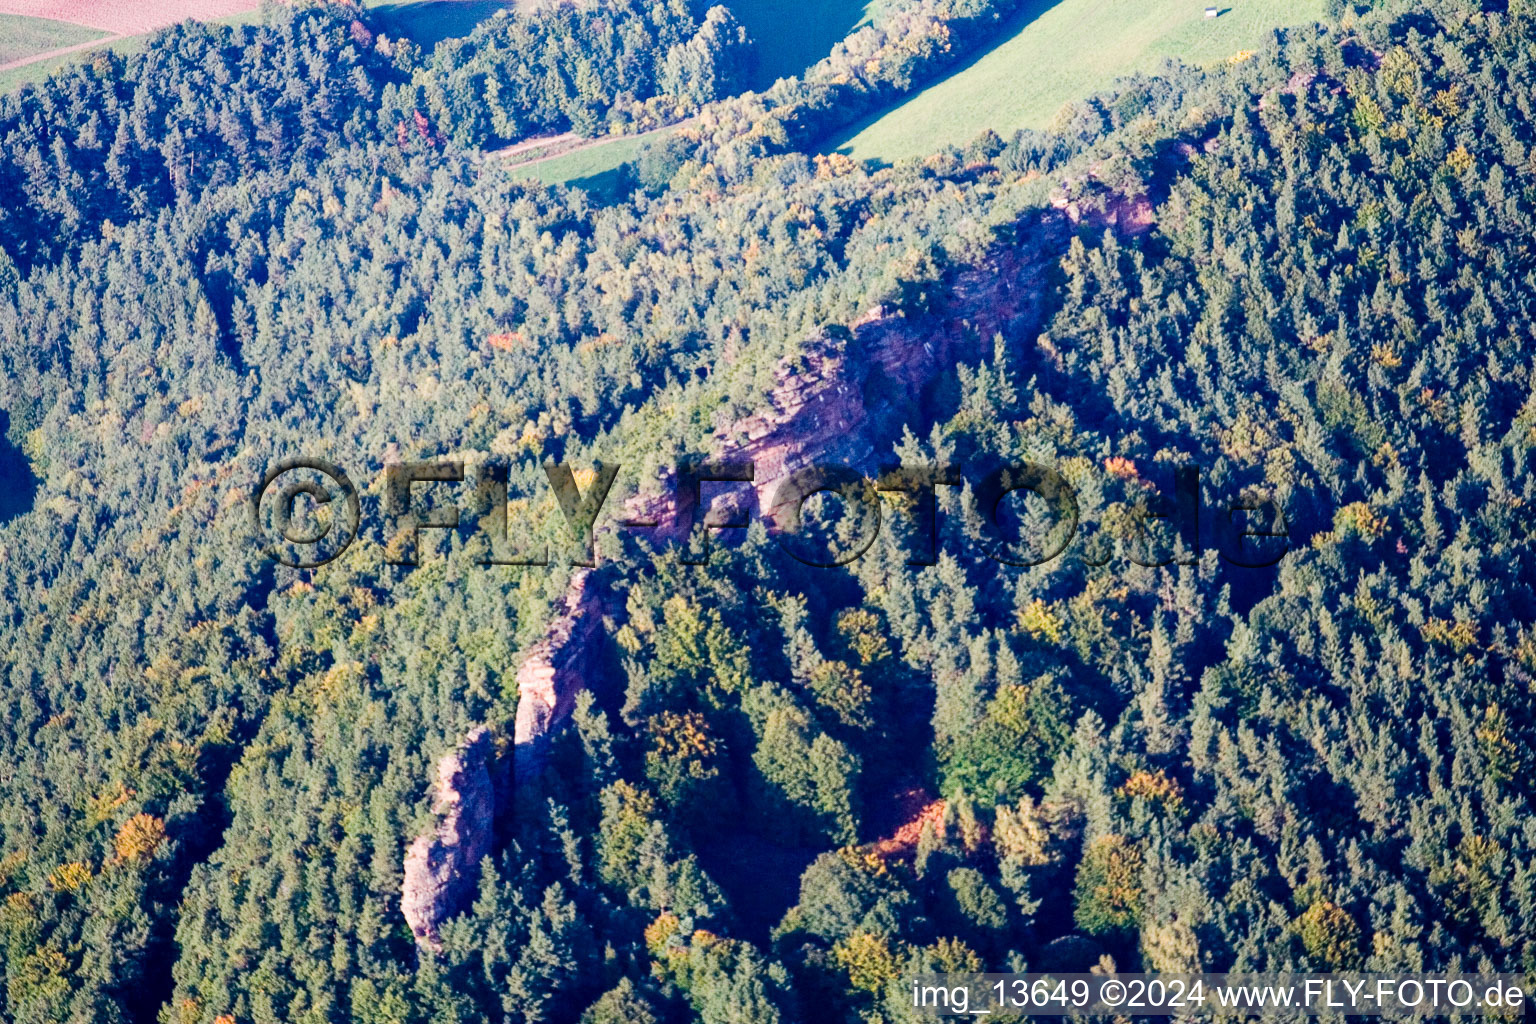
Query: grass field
[
  {"x": 14, "y": 78},
  {"x": 36, "y": 71},
  {"x": 594, "y": 168},
  {"x": 22, "y": 37},
  {"x": 791, "y": 35},
  {"x": 1052, "y": 53},
  {"x": 429, "y": 22}
]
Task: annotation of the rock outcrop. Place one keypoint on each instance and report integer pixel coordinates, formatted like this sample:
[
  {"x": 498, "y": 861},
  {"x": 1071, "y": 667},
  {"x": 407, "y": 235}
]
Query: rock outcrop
[
  {"x": 443, "y": 866},
  {"x": 842, "y": 397},
  {"x": 1127, "y": 216},
  {"x": 553, "y": 672},
  {"x": 475, "y": 782},
  {"x": 838, "y": 401}
]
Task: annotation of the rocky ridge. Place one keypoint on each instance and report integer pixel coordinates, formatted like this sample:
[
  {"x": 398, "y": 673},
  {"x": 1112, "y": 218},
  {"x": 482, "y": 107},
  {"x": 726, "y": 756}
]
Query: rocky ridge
[
  {"x": 816, "y": 414},
  {"x": 476, "y": 781},
  {"x": 442, "y": 864},
  {"x": 818, "y": 411},
  {"x": 554, "y": 672}
]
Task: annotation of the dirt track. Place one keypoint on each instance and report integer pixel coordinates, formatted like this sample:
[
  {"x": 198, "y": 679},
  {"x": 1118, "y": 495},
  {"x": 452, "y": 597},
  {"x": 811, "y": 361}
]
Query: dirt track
[
  {"x": 568, "y": 143},
  {"x": 62, "y": 51}
]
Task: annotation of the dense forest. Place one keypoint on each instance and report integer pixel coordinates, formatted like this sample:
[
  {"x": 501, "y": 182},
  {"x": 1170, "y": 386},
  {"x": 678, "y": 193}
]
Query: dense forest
[
  {"x": 609, "y": 66},
  {"x": 1305, "y": 276}
]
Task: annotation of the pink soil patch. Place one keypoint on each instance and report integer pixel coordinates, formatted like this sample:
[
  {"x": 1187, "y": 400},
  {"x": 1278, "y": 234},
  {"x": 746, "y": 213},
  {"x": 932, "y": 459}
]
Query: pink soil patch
[{"x": 126, "y": 17}]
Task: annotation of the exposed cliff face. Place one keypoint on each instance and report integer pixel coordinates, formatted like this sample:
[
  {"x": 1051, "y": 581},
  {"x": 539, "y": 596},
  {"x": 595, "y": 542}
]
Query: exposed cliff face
[
  {"x": 442, "y": 867},
  {"x": 841, "y": 399},
  {"x": 554, "y": 671},
  {"x": 815, "y": 413},
  {"x": 1128, "y": 217},
  {"x": 475, "y": 782}
]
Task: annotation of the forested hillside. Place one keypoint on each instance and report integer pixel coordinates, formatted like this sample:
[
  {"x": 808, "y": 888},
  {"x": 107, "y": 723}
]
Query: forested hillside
[{"x": 769, "y": 791}]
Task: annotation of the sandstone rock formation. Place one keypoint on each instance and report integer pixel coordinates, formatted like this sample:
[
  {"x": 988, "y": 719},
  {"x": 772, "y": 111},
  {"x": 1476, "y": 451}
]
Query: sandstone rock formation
[
  {"x": 819, "y": 412},
  {"x": 474, "y": 790},
  {"x": 1126, "y": 216},
  {"x": 553, "y": 672},
  {"x": 442, "y": 867}
]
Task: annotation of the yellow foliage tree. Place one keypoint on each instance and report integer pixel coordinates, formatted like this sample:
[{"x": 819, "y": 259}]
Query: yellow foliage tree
[
  {"x": 864, "y": 634},
  {"x": 841, "y": 688},
  {"x": 1154, "y": 787},
  {"x": 868, "y": 959},
  {"x": 658, "y": 934},
  {"x": 1330, "y": 936},
  {"x": 71, "y": 877},
  {"x": 100, "y": 807},
  {"x": 1040, "y": 622},
  {"x": 1109, "y": 894},
  {"x": 952, "y": 956},
  {"x": 139, "y": 838},
  {"x": 1360, "y": 520}
]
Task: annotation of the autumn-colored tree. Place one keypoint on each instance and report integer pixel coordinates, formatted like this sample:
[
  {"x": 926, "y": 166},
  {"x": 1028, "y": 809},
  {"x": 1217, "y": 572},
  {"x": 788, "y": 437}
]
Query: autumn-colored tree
[
  {"x": 869, "y": 961},
  {"x": 1156, "y": 788},
  {"x": 627, "y": 812},
  {"x": 841, "y": 689},
  {"x": 685, "y": 762},
  {"x": 70, "y": 877},
  {"x": 1109, "y": 892},
  {"x": 1330, "y": 936},
  {"x": 139, "y": 838}
]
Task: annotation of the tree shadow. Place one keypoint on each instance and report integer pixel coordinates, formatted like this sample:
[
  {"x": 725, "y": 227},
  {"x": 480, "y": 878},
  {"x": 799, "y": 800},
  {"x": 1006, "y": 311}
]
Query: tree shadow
[
  {"x": 18, "y": 487},
  {"x": 432, "y": 21},
  {"x": 607, "y": 187},
  {"x": 761, "y": 878},
  {"x": 791, "y": 35}
]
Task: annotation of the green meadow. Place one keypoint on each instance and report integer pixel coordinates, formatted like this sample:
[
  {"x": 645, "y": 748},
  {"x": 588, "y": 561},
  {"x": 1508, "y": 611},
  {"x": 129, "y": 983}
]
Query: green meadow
[
  {"x": 36, "y": 71},
  {"x": 790, "y": 35},
  {"x": 22, "y": 37},
  {"x": 429, "y": 22},
  {"x": 1052, "y": 53},
  {"x": 594, "y": 167}
]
